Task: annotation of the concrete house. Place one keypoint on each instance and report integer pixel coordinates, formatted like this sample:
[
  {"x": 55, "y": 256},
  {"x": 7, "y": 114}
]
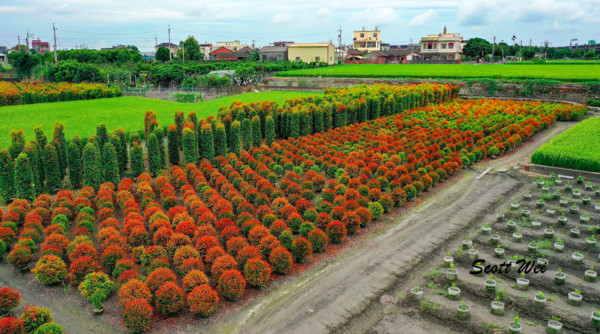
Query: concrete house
[
  {"x": 273, "y": 53},
  {"x": 443, "y": 46},
  {"x": 367, "y": 40},
  {"x": 309, "y": 52}
]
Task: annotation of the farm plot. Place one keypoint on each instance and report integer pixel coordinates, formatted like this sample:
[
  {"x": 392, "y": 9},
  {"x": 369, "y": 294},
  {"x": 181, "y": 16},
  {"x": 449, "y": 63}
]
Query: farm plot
[
  {"x": 577, "y": 148},
  {"x": 539, "y": 270}
]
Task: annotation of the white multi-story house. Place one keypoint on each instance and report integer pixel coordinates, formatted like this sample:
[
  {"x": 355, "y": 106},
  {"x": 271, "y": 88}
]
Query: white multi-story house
[{"x": 443, "y": 46}]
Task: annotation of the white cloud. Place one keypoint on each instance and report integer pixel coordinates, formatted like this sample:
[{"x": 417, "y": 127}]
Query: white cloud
[
  {"x": 376, "y": 16},
  {"x": 323, "y": 13},
  {"x": 282, "y": 18},
  {"x": 425, "y": 19}
]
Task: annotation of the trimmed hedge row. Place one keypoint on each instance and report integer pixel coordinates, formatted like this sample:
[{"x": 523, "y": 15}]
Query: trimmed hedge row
[{"x": 19, "y": 93}]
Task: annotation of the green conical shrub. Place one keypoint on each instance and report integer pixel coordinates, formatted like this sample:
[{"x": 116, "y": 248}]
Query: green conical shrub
[
  {"x": 124, "y": 156},
  {"x": 111, "y": 166},
  {"x": 33, "y": 152},
  {"x": 102, "y": 134},
  {"x": 179, "y": 124},
  {"x": 91, "y": 173},
  {"x": 207, "y": 142},
  {"x": 160, "y": 135},
  {"x": 220, "y": 140},
  {"x": 269, "y": 131},
  {"x": 236, "y": 140},
  {"x": 7, "y": 176},
  {"x": 246, "y": 134},
  {"x": 153, "y": 154},
  {"x": 75, "y": 170},
  {"x": 137, "y": 160},
  {"x": 256, "y": 132},
  {"x": 52, "y": 168},
  {"x": 17, "y": 143},
  {"x": 61, "y": 148},
  {"x": 23, "y": 181},
  {"x": 190, "y": 151},
  {"x": 295, "y": 124},
  {"x": 172, "y": 145}
]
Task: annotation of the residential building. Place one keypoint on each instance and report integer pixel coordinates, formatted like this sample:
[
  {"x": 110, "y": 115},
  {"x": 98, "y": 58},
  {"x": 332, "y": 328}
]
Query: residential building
[
  {"x": 232, "y": 45},
  {"x": 243, "y": 54},
  {"x": 205, "y": 49},
  {"x": 273, "y": 53},
  {"x": 120, "y": 46},
  {"x": 172, "y": 47},
  {"x": 3, "y": 49},
  {"x": 39, "y": 46},
  {"x": 353, "y": 54},
  {"x": 443, "y": 46},
  {"x": 286, "y": 44},
  {"x": 309, "y": 52},
  {"x": 215, "y": 53},
  {"x": 148, "y": 55},
  {"x": 3, "y": 58},
  {"x": 367, "y": 40}
]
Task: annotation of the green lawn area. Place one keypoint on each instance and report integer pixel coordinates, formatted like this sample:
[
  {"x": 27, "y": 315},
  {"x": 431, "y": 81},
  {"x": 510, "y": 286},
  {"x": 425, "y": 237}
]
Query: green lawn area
[
  {"x": 577, "y": 148},
  {"x": 574, "y": 73},
  {"x": 81, "y": 117}
]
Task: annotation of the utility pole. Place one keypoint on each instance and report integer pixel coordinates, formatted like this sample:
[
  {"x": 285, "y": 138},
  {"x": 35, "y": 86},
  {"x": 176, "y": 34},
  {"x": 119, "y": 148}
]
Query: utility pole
[
  {"x": 340, "y": 38},
  {"x": 19, "y": 43},
  {"x": 530, "y": 41},
  {"x": 55, "y": 52},
  {"x": 170, "y": 56},
  {"x": 27, "y": 41},
  {"x": 521, "y": 51},
  {"x": 183, "y": 51},
  {"x": 493, "y": 49},
  {"x": 155, "y": 42}
]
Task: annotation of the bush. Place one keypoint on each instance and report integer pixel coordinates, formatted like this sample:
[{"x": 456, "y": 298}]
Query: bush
[
  {"x": 318, "y": 239},
  {"x": 20, "y": 257},
  {"x": 281, "y": 260},
  {"x": 50, "y": 269},
  {"x": 134, "y": 289},
  {"x": 232, "y": 284},
  {"x": 50, "y": 328},
  {"x": 80, "y": 268},
  {"x": 236, "y": 137},
  {"x": 187, "y": 97},
  {"x": 33, "y": 317},
  {"x": 222, "y": 264},
  {"x": 11, "y": 325},
  {"x": 172, "y": 146},
  {"x": 24, "y": 182},
  {"x": 207, "y": 142},
  {"x": 52, "y": 168},
  {"x": 137, "y": 316},
  {"x": 137, "y": 160},
  {"x": 301, "y": 249},
  {"x": 269, "y": 131},
  {"x": 9, "y": 299},
  {"x": 95, "y": 288},
  {"x": 336, "y": 231},
  {"x": 257, "y": 273},
  {"x": 111, "y": 255},
  {"x": 158, "y": 277},
  {"x": 169, "y": 298},
  {"x": 376, "y": 210},
  {"x": 110, "y": 164},
  {"x": 203, "y": 300},
  {"x": 190, "y": 146},
  {"x": 194, "y": 279}
]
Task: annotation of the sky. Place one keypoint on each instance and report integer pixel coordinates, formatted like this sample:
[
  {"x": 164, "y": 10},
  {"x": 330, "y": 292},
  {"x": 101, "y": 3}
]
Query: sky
[{"x": 97, "y": 24}]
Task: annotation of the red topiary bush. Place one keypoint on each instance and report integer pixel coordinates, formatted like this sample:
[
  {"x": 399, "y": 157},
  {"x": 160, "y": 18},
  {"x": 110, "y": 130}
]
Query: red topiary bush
[
  {"x": 9, "y": 299},
  {"x": 352, "y": 222},
  {"x": 193, "y": 279},
  {"x": 50, "y": 269},
  {"x": 183, "y": 253},
  {"x": 212, "y": 254},
  {"x": 111, "y": 255},
  {"x": 132, "y": 290},
  {"x": 81, "y": 267},
  {"x": 122, "y": 266},
  {"x": 232, "y": 284},
  {"x": 234, "y": 245},
  {"x": 281, "y": 260},
  {"x": 34, "y": 317},
  {"x": 301, "y": 249},
  {"x": 267, "y": 244},
  {"x": 158, "y": 277},
  {"x": 318, "y": 239},
  {"x": 336, "y": 231},
  {"x": 223, "y": 263},
  {"x": 137, "y": 316},
  {"x": 11, "y": 325},
  {"x": 191, "y": 264},
  {"x": 7, "y": 235},
  {"x": 257, "y": 233},
  {"x": 128, "y": 275},
  {"x": 278, "y": 226},
  {"x": 81, "y": 250},
  {"x": 169, "y": 298},
  {"x": 247, "y": 253},
  {"x": 205, "y": 243},
  {"x": 203, "y": 300},
  {"x": 257, "y": 272},
  {"x": 20, "y": 257}
]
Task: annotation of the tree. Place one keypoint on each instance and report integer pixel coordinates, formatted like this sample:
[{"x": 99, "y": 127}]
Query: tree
[
  {"x": 256, "y": 133},
  {"x": 17, "y": 143},
  {"x": 102, "y": 134},
  {"x": 172, "y": 146},
  {"x": 220, "y": 140},
  {"x": 7, "y": 176},
  {"x": 528, "y": 53},
  {"x": 179, "y": 124},
  {"x": 111, "y": 166},
  {"x": 137, "y": 160},
  {"x": 35, "y": 155},
  {"x": 58, "y": 136},
  {"x": 207, "y": 142},
  {"x": 477, "y": 48},
  {"x": 190, "y": 151},
  {"x": 75, "y": 171},
  {"x": 124, "y": 160},
  {"x": 191, "y": 48},
  {"x": 236, "y": 140},
  {"x": 153, "y": 154},
  {"x": 270, "y": 131},
  {"x": 52, "y": 168},
  {"x": 23, "y": 182},
  {"x": 91, "y": 174},
  {"x": 247, "y": 134}
]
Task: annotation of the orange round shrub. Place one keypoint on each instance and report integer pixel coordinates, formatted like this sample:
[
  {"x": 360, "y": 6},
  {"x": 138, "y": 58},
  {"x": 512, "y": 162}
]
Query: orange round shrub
[
  {"x": 137, "y": 316},
  {"x": 128, "y": 275},
  {"x": 111, "y": 255},
  {"x": 50, "y": 269},
  {"x": 193, "y": 279},
  {"x": 183, "y": 253},
  {"x": 281, "y": 260},
  {"x": 11, "y": 325},
  {"x": 232, "y": 284},
  {"x": 9, "y": 299},
  {"x": 247, "y": 253},
  {"x": 267, "y": 244},
  {"x": 301, "y": 249},
  {"x": 336, "y": 231},
  {"x": 81, "y": 250},
  {"x": 234, "y": 245},
  {"x": 158, "y": 277},
  {"x": 169, "y": 298},
  {"x": 81, "y": 267},
  {"x": 257, "y": 233},
  {"x": 203, "y": 300},
  {"x": 318, "y": 239},
  {"x": 223, "y": 263},
  {"x": 191, "y": 264},
  {"x": 132, "y": 290},
  {"x": 257, "y": 273}
]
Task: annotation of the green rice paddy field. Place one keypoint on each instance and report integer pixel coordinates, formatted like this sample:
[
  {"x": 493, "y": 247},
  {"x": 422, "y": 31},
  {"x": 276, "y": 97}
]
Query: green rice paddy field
[
  {"x": 568, "y": 73},
  {"x": 81, "y": 117}
]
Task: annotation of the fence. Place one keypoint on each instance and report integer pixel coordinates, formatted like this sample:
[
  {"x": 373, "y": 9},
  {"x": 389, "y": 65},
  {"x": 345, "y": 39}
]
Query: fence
[{"x": 165, "y": 93}]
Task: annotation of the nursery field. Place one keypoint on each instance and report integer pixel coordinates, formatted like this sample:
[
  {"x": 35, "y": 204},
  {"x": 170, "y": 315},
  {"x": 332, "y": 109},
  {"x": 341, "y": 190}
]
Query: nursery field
[
  {"x": 200, "y": 224},
  {"x": 81, "y": 117},
  {"x": 569, "y": 73},
  {"x": 577, "y": 148}
]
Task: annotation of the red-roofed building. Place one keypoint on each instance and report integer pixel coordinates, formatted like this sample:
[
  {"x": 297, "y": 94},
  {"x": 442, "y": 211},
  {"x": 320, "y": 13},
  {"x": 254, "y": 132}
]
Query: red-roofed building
[
  {"x": 39, "y": 46},
  {"x": 216, "y": 53}
]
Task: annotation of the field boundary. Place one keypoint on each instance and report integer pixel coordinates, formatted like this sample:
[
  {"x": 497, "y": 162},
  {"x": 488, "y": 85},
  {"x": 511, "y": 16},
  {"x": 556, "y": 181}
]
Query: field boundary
[{"x": 542, "y": 169}]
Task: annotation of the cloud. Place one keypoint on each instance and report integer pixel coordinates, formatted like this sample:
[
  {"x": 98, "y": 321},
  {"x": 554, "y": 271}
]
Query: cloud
[
  {"x": 376, "y": 16},
  {"x": 282, "y": 18},
  {"x": 425, "y": 19},
  {"x": 323, "y": 13}
]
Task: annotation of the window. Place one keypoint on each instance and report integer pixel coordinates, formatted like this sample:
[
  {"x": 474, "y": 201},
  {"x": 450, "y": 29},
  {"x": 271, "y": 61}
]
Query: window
[
  {"x": 264, "y": 57},
  {"x": 424, "y": 45},
  {"x": 317, "y": 58},
  {"x": 362, "y": 35},
  {"x": 375, "y": 35},
  {"x": 450, "y": 45},
  {"x": 429, "y": 46},
  {"x": 297, "y": 58},
  {"x": 443, "y": 45}
]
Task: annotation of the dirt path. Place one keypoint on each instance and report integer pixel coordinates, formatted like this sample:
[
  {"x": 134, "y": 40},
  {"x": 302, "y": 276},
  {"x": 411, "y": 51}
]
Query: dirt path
[{"x": 330, "y": 295}]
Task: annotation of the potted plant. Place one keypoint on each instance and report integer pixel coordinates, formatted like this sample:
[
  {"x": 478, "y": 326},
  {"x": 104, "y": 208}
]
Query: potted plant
[
  {"x": 500, "y": 216},
  {"x": 486, "y": 229},
  {"x": 559, "y": 246},
  {"x": 513, "y": 262},
  {"x": 448, "y": 259},
  {"x": 95, "y": 288},
  {"x": 564, "y": 202},
  {"x": 554, "y": 325},
  {"x": 575, "y": 298},
  {"x": 453, "y": 292},
  {"x": 473, "y": 254},
  {"x": 590, "y": 274},
  {"x": 490, "y": 284},
  {"x": 551, "y": 211},
  {"x": 522, "y": 282},
  {"x": 556, "y": 194},
  {"x": 540, "y": 203},
  {"x": 499, "y": 251},
  {"x": 464, "y": 311},
  {"x": 417, "y": 294},
  {"x": 549, "y": 233},
  {"x": 577, "y": 257},
  {"x": 595, "y": 318},
  {"x": 515, "y": 204},
  {"x": 533, "y": 246},
  {"x": 590, "y": 242},
  {"x": 536, "y": 223},
  {"x": 558, "y": 180},
  {"x": 574, "y": 208},
  {"x": 494, "y": 238},
  {"x": 525, "y": 212},
  {"x": 539, "y": 299},
  {"x": 515, "y": 326},
  {"x": 452, "y": 273},
  {"x": 584, "y": 218},
  {"x": 540, "y": 182},
  {"x": 576, "y": 193},
  {"x": 589, "y": 186},
  {"x": 528, "y": 196},
  {"x": 562, "y": 220},
  {"x": 542, "y": 262},
  {"x": 478, "y": 267},
  {"x": 511, "y": 225},
  {"x": 517, "y": 236},
  {"x": 497, "y": 306},
  {"x": 597, "y": 206},
  {"x": 467, "y": 243},
  {"x": 580, "y": 179},
  {"x": 560, "y": 277},
  {"x": 586, "y": 200},
  {"x": 575, "y": 232},
  {"x": 568, "y": 186}
]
